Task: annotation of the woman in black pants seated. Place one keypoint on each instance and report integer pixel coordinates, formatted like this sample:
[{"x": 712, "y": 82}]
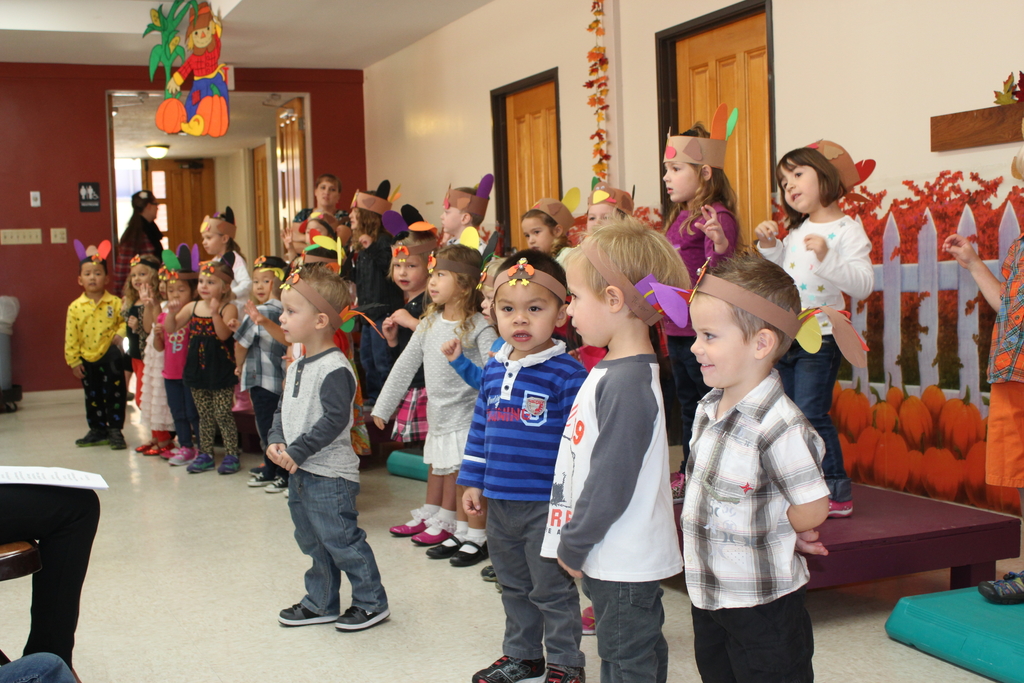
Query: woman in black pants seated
[{"x": 64, "y": 522}]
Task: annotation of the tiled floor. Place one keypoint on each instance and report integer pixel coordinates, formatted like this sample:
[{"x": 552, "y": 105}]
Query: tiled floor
[{"x": 189, "y": 571}]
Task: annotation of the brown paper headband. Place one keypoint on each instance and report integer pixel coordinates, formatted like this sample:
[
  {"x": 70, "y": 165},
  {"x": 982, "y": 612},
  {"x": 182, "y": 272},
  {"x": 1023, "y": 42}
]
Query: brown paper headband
[
  {"x": 314, "y": 297},
  {"x": 219, "y": 226},
  {"x": 634, "y": 299},
  {"x": 435, "y": 263},
  {"x": 400, "y": 250},
  {"x": 523, "y": 274},
  {"x": 846, "y": 338}
]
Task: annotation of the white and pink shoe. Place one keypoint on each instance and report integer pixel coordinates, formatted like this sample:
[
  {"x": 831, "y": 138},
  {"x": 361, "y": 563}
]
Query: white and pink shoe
[
  {"x": 416, "y": 525},
  {"x": 184, "y": 456}
]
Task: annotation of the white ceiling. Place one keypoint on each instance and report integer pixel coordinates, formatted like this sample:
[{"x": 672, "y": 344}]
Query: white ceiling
[
  {"x": 251, "y": 124},
  {"x": 324, "y": 34}
]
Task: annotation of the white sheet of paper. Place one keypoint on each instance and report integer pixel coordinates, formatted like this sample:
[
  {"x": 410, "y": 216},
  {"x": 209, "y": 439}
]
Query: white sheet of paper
[{"x": 52, "y": 476}]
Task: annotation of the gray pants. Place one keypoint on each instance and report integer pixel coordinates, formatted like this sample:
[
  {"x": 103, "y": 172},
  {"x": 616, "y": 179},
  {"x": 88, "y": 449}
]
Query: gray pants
[
  {"x": 628, "y": 619},
  {"x": 542, "y": 605}
]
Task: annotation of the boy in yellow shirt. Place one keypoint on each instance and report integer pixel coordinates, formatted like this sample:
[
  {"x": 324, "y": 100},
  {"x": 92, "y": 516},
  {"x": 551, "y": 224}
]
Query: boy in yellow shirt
[{"x": 92, "y": 349}]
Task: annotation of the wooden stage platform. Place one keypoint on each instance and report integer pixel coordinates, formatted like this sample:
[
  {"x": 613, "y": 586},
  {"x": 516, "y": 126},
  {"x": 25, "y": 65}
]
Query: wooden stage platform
[{"x": 891, "y": 534}]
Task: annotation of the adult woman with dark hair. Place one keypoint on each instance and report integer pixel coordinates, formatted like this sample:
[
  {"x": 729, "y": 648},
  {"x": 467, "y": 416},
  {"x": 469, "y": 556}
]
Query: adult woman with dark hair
[{"x": 141, "y": 237}]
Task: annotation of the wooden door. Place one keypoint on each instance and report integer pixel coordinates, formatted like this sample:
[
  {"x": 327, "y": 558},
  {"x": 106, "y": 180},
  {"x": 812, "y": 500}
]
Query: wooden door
[
  {"x": 533, "y": 163},
  {"x": 730, "y": 64},
  {"x": 291, "y": 162},
  {"x": 186, "y": 191},
  {"x": 261, "y": 196}
]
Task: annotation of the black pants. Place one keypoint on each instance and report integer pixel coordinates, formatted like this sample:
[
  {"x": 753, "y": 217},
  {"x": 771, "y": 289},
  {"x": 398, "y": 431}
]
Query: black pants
[
  {"x": 105, "y": 391},
  {"x": 264, "y": 405},
  {"x": 771, "y": 643},
  {"x": 64, "y": 522}
]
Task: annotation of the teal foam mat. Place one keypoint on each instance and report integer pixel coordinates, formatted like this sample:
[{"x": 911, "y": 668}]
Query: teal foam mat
[
  {"x": 963, "y": 628},
  {"x": 408, "y": 464}
]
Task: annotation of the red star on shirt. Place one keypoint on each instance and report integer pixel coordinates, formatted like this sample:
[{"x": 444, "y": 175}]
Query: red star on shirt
[{"x": 747, "y": 488}]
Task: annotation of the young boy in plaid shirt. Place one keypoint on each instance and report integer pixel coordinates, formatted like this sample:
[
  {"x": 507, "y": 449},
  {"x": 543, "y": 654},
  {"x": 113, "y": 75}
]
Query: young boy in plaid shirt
[
  {"x": 259, "y": 361},
  {"x": 753, "y": 482}
]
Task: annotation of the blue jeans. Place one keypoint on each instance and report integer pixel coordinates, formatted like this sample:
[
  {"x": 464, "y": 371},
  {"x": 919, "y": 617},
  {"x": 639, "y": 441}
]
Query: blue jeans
[
  {"x": 628, "y": 618},
  {"x": 183, "y": 410},
  {"x": 542, "y": 604},
  {"x": 264, "y": 405},
  {"x": 324, "y": 512},
  {"x": 41, "y": 667},
  {"x": 690, "y": 387},
  {"x": 375, "y": 357},
  {"x": 808, "y": 379}
]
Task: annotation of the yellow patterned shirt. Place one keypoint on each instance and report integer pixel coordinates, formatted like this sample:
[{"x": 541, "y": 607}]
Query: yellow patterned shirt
[{"x": 91, "y": 326}]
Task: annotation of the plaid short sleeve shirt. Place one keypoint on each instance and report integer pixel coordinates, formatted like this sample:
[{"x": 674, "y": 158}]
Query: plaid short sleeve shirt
[
  {"x": 745, "y": 470},
  {"x": 264, "y": 366},
  {"x": 1006, "y": 358}
]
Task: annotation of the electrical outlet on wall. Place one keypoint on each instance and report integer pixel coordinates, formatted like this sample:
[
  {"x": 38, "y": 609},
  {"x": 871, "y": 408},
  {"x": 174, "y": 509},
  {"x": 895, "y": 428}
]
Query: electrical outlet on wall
[
  {"x": 35, "y": 200},
  {"x": 24, "y": 236},
  {"x": 58, "y": 235}
]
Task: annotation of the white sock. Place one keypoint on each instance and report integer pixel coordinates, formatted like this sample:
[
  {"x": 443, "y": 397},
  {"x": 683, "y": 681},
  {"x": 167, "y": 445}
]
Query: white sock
[
  {"x": 478, "y": 536},
  {"x": 461, "y": 531},
  {"x": 423, "y": 513},
  {"x": 444, "y": 520}
]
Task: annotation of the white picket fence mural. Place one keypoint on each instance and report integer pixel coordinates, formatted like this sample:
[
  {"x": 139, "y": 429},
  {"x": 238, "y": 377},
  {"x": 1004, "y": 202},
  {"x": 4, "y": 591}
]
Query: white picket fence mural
[{"x": 931, "y": 275}]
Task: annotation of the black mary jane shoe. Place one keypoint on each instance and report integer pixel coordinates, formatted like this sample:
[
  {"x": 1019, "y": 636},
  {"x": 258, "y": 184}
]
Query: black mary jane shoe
[
  {"x": 444, "y": 551},
  {"x": 468, "y": 559}
]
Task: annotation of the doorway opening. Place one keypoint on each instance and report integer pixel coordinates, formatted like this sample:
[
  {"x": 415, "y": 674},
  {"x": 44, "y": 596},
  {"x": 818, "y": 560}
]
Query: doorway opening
[
  {"x": 201, "y": 175},
  {"x": 725, "y": 56},
  {"x": 527, "y": 149}
]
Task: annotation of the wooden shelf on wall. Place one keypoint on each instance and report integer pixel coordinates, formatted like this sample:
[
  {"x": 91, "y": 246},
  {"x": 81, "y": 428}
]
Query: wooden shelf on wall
[{"x": 989, "y": 126}]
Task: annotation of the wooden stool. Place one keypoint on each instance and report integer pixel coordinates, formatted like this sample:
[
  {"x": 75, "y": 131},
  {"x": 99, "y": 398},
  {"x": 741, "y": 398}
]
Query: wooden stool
[{"x": 18, "y": 559}]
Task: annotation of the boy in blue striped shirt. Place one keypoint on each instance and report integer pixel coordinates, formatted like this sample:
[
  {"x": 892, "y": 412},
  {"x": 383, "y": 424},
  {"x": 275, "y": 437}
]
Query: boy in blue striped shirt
[{"x": 525, "y": 397}]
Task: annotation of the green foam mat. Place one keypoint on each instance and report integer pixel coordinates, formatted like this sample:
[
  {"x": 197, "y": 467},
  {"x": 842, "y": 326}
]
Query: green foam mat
[
  {"x": 408, "y": 464},
  {"x": 963, "y": 628}
]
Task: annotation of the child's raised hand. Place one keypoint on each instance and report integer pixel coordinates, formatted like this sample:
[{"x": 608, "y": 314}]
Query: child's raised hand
[
  {"x": 145, "y": 295},
  {"x": 712, "y": 229},
  {"x": 254, "y": 313},
  {"x": 452, "y": 349},
  {"x": 379, "y": 421},
  {"x": 807, "y": 543},
  {"x": 365, "y": 241},
  {"x": 961, "y": 249},
  {"x": 767, "y": 232},
  {"x": 174, "y": 305},
  {"x": 405, "y": 319},
  {"x": 232, "y": 324},
  {"x": 817, "y": 244},
  {"x": 471, "y": 502}
]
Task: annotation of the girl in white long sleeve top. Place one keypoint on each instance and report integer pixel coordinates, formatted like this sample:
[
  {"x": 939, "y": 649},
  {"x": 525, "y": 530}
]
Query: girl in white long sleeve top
[{"x": 826, "y": 253}]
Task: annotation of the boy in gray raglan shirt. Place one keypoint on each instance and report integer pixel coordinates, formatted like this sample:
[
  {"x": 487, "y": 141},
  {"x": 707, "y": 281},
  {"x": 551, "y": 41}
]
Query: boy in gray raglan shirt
[{"x": 310, "y": 438}]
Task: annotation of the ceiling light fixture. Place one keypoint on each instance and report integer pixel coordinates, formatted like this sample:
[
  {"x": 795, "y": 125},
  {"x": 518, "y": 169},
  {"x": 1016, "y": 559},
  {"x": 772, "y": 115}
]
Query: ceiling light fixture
[{"x": 157, "y": 151}]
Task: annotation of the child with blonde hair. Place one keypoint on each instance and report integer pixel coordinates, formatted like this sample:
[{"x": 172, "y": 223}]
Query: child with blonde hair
[
  {"x": 210, "y": 366},
  {"x": 453, "y": 312},
  {"x": 218, "y": 236},
  {"x": 611, "y": 521}
]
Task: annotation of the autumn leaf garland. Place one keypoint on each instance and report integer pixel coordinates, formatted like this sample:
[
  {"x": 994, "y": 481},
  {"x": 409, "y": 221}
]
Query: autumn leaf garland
[{"x": 598, "y": 84}]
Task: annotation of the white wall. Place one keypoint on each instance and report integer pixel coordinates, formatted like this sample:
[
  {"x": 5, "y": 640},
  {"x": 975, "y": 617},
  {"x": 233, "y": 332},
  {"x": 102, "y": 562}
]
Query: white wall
[
  {"x": 868, "y": 74},
  {"x": 233, "y": 178}
]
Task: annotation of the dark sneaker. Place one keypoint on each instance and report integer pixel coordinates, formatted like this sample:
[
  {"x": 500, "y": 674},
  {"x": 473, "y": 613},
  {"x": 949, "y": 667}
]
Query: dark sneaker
[
  {"x": 1007, "y": 591},
  {"x": 258, "y": 469},
  {"x": 202, "y": 463},
  {"x": 512, "y": 670},
  {"x": 260, "y": 480},
  {"x": 565, "y": 674},
  {"x": 298, "y": 615},
  {"x": 839, "y": 510},
  {"x": 279, "y": 485},
  {"x": 469, "y": 554},
  {"x": 229, "y": 465},
  {"x": 487, "y": 574},
  {"x": 445, "y": 550},
  {"x": 357, "y": 619},
  {"x": 94, "y": 438},
  {"x": 116, "y": 440}
]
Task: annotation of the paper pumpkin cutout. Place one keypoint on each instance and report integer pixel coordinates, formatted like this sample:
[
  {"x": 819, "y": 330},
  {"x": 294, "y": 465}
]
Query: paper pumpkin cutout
[
  {"x": 379, "y": 201},
  {"x": 471, "y": 203},
  {"x": 851, "y": 174},
  {"x": 94, "y": 253},
  {"x": 561, "y": 211},
  {"x": 205, "y": 109},
  {"x": 704, "y": 151}
]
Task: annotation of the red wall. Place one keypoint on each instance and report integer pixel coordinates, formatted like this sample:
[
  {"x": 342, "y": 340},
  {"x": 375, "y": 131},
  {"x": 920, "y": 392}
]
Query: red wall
[{"x": 54, "y": 136}]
